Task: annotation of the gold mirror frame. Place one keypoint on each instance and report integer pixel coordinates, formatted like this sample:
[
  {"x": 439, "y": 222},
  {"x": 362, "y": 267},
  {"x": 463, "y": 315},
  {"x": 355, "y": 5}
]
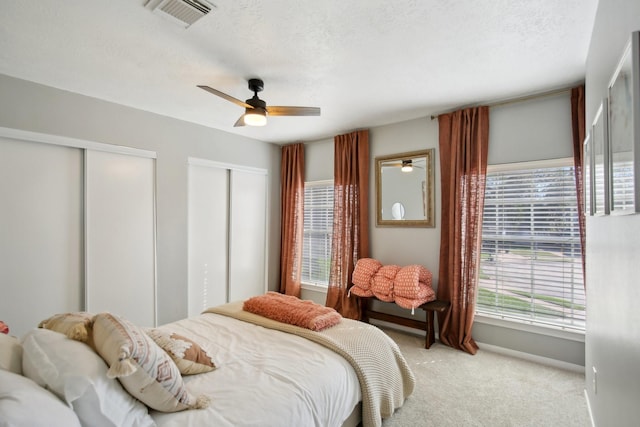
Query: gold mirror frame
[{"x": 422, "y": 159}]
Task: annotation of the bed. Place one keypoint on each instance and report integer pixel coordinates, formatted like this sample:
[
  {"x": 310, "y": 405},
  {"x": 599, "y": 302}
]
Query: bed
[{"x": 267, "y": 373}]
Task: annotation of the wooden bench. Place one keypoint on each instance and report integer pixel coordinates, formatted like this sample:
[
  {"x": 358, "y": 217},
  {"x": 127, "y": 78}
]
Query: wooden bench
[
  {"x": 432, "y": 307},
  {"x": 427, "y": 326}
]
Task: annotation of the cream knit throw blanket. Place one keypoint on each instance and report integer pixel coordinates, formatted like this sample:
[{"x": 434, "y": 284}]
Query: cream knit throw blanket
[{"x": 385, "y": 377}]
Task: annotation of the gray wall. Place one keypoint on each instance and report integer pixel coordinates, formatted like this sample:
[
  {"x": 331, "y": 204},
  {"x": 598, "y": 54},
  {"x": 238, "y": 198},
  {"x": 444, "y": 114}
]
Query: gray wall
[
  {"x": 613, "y": 251},
  {"x": 392, "y": 245},
  {"x": 37, "y": 108},
  {"x": 534, "y": 130}
]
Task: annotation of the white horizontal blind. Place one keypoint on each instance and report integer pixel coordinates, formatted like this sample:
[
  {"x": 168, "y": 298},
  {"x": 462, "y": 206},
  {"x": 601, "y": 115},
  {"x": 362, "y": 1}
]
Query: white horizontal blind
[
  {"x": 318, "y": 226},
  {"x": 531, "y": 265}
]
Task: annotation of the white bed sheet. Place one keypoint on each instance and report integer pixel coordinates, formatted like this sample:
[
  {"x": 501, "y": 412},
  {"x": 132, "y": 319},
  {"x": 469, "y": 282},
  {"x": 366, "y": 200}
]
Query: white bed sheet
[{"x": 264, "y": 378}]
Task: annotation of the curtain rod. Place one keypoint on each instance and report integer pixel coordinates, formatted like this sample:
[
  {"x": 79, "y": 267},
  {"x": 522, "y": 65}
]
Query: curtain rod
[{"x": 512, "y": 100}]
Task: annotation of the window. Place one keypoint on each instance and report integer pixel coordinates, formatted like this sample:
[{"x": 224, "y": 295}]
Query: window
[
  {"x": 318, "y": 226},
  {"x": 531, "y": 265}
]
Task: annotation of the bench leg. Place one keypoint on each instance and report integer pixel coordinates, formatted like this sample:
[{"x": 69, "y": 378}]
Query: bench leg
[{"x": 431, "y": 335}]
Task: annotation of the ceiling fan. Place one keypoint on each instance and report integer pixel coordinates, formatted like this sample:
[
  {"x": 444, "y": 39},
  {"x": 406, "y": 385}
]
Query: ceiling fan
[
  {"x": 256, "y": 110},
  {"x": 406, "y": 165}
]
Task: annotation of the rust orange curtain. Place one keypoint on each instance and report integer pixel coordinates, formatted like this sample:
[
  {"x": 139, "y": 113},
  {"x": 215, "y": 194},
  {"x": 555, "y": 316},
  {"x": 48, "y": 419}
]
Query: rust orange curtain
[
  {"x": 464, "y": 141},
  {"x": 578, "y": 132},
  {"x": 292, "y": 218},
  {"x": 350, "y": 239}
]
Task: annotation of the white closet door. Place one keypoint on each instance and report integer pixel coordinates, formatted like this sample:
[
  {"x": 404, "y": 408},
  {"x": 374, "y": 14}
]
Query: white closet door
[
  {"x": 208, "y": 218},
  {"x": 247, "y": 234},
  {"x": 120, "y": 235},
  {"x": 40, "y": 232}
]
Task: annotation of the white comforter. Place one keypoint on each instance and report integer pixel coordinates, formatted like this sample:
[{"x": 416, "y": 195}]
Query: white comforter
[{"x": 264, "y": 378}]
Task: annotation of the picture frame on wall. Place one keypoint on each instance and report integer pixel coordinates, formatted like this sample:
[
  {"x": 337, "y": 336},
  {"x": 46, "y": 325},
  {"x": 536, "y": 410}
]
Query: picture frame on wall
[
  {"x": 600, "y": 161},
  {"x": 587, "y": 175},
  {"x": 624, "y": 130}
]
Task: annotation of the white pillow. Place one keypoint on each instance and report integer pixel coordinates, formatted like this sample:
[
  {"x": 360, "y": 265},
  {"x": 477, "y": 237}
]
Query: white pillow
[
  {"x": 10, "y": 354},
  {"x": 24, "y": 403},
  {"x": 76, "y": 374},
  {"x": 142, "y": 367}
]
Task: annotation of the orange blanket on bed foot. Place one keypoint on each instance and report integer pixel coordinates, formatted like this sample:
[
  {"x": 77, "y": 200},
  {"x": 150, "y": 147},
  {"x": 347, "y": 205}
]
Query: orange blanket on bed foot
[{"x": 292, "y": 310}]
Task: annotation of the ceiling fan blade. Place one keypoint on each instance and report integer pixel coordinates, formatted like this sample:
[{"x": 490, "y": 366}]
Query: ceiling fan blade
[
  {"x": 293, "y": 111},
  {"x": 225, "y": 96},
  {"x": 239, "y": 122}
]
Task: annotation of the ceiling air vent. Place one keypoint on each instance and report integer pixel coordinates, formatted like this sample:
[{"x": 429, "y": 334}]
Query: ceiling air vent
[{"x": 184, "y": 12}]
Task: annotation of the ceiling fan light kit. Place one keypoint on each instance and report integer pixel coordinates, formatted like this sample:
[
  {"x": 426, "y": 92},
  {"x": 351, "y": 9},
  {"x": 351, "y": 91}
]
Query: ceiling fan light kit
[
  {"x": 256, "y": 109},
  {"x": 255, "y": 117},
  {"x": 407, "y": 166}
]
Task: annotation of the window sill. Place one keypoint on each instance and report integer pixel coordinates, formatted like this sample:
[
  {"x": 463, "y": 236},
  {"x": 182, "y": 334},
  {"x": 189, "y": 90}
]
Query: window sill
[
  {"x": 313, "y": 287},
  {"x": 568, "y": 334}
]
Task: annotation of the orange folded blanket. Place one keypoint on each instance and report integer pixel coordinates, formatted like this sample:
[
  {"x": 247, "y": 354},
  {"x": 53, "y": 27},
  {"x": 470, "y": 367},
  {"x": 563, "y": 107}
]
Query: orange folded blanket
[
  {"x": 408, "y": 286},
  {"x": 292, "y": 310}
]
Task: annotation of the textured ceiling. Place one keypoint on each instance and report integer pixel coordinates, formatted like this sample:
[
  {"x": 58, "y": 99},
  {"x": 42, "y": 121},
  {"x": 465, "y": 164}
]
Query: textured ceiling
[{"x": 363, "y": 62}]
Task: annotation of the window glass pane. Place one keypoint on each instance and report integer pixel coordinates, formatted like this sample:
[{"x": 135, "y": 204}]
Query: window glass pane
[
  {"x": 318, "y": 226},
  {"x": 531, "y": 265}
]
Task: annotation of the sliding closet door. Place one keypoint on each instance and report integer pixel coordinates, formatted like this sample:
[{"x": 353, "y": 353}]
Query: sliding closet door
[
  {"x": 208, "y": 218},
  {"x": 120, "y": 235},
  {"x": 40, "y": 232},
  {"x": 227, "y": 233},
  {"x": 247, "y": 234}
]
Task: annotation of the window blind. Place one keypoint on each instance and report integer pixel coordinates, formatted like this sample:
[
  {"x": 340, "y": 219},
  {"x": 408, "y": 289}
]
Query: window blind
[
  {"x": 318, "y": 227},
  {"x": 531, "y": 265}
]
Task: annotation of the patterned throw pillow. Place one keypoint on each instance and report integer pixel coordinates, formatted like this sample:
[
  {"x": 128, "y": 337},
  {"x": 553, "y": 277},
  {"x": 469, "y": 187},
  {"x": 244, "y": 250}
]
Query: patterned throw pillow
[
  {"x": 143, "y": 368},
  {"x": 76, "y": 326},
  {"x": 189, "y": 357}
]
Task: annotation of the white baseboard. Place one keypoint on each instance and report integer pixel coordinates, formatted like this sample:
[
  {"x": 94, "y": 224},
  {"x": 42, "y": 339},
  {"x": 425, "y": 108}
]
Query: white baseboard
[
  {"x": 400, "y": 328},
  {"x": 494, "y": 348},
  {"x": 533, "y": 358}
]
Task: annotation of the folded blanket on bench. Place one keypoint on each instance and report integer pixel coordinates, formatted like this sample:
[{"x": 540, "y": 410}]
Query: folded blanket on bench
[
  {"x": 292, "y": 310},
  {"x": 408, "y": 286}
]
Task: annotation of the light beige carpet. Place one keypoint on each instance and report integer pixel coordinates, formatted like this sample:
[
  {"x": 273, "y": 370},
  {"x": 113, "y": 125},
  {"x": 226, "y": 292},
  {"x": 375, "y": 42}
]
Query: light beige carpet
[{"x": 488, "y": 389}]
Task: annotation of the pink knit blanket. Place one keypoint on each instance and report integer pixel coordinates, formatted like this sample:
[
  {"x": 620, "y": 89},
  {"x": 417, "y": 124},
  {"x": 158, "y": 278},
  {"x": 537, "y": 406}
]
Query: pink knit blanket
[
  {"x": 408, "y": 286},
  {"x": 292, "y": 310}
]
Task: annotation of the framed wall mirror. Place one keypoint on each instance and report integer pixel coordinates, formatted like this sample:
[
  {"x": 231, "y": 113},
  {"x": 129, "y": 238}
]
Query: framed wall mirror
[{"x": 405, "y": 189}]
